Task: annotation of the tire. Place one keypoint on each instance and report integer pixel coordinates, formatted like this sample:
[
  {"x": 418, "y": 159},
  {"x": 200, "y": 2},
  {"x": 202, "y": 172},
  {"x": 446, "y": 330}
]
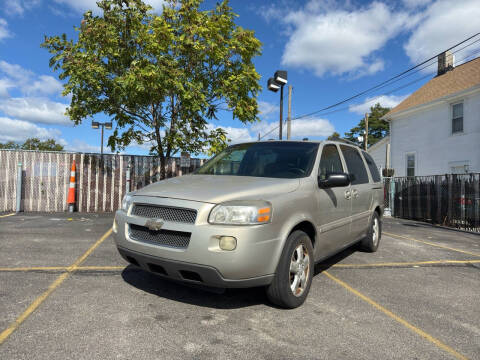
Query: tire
[
  {"x": 374, "y": 234},
  {"x": 280, "y": 291}
]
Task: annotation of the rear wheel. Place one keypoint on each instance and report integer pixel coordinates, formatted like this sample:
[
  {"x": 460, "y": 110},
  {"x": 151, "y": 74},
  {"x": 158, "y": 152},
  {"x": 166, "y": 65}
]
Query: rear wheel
[
  {"x": 293, "y": 278},
  {"x": 372, "y": 240}
]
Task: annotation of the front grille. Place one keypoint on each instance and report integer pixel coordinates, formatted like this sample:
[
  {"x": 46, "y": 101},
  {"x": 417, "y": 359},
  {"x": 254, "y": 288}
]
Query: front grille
[
  {"x": 165, "y": 213},
  {"x": 175, "y": 239}
]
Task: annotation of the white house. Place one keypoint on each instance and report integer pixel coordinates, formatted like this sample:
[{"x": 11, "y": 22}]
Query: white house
[
  {"x": 380, "y": 152},
  {"x": 436, "y": 130}
]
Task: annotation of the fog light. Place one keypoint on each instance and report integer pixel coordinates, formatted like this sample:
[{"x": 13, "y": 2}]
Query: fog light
[
  {"x": 114, "y": 226},
  {"x": 227, "y": 243}
]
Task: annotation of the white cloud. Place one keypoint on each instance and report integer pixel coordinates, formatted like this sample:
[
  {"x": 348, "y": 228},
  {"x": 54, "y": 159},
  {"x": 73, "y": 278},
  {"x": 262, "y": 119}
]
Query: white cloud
[
  {"x": 26, "y": 81},
  {"x": 266, "y": 109},
  {"x": 4, "y": 32},
  {"x": 44, "y": 85},
  {"x": 416, "y": 3},
  {"x": 18, "y": 7},
  {"x": 236, "y": 135},
  {"x": 18, "y": 131},
  {"x": 39, "y": 110},
  {"x": 308, "y": 127},
  {"x": 327, "y": 39},
  {"x": 5, "y": 84},
  {"x": 84, "y": 5},
  {"x": 444, "y": 23},
  {"x": 82, "y": 146},
  {"x": 311, "y": 128},
  {"x": 389, "y": 101}
]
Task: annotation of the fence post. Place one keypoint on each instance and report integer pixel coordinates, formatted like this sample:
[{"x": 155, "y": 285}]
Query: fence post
[
  {"x": 127, "y": 181},
  {"x": 392, "y": 196},
  {"x": 19, "y": 188},
  {"x": 450, "y": 200},
  {"x": 438, "y": 191}
]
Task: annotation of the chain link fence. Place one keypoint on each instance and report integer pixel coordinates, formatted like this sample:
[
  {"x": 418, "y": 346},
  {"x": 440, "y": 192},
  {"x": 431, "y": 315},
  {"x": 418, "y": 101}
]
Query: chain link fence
[
  {"x": 101, "y": 181},
  {"x": 450, "y": 200}
]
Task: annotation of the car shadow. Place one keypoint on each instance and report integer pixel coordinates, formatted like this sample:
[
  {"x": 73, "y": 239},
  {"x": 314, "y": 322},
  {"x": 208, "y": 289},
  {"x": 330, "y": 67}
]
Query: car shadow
[
  {"x": 203, "y": 296},
  {"x": 328, "y": 263},
  {"x": 193, "y": 294}
]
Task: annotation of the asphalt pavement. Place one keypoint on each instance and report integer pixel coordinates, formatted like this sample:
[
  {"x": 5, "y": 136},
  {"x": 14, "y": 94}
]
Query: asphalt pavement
[{"x": 65, "y": 293}]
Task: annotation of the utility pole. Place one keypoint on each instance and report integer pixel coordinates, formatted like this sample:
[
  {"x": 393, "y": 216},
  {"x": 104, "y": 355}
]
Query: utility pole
[
  {"x": 289, "y": 123},
  {"x": 366, "y": 131}
]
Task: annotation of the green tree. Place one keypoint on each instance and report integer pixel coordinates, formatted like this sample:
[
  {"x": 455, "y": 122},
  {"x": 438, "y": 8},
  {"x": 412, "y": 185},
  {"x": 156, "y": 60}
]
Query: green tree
[
  {"x": 9, "y": 145},
  {"x": 334, "y": 136},
  {"x": 160, "y": 77},
  {"x": 377, "y": 128},
  {"x": 37, "y": 144}
]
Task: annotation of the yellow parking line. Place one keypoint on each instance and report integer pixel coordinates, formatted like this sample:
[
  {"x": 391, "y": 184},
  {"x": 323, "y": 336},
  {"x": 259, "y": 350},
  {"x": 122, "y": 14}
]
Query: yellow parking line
[
  {"x": 58, "y": 281},
  {"x": 34, "y": 268},
  {"x": 89, "y": 251},
  {"x": 397, "y": 264},
  {"x": 430, "y": 243},
  {"x": 397, "y": 318},
  {"x": 2, "y": 216}
]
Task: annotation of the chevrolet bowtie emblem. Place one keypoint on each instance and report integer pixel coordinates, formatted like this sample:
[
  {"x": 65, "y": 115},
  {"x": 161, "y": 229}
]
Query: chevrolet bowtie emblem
[{"x": 154, "y": 224}]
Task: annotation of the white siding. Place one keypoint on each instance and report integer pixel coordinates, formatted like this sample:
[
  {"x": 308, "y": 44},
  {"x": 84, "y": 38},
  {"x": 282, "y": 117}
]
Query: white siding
[
  {"x": 428, "y": 134},
  {"x": 379, "y": 153}
]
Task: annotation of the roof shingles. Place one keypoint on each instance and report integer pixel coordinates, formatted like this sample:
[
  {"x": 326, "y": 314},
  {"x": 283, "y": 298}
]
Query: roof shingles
[{"x": 460, "y": 78}]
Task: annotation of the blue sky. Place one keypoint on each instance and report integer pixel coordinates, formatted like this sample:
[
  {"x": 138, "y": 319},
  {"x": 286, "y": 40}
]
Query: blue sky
[{"x": 331, "y": 50}]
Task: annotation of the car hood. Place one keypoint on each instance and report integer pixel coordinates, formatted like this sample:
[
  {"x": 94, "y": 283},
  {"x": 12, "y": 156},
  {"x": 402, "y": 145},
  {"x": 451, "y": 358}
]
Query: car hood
[{"x": 218, "y": 188}]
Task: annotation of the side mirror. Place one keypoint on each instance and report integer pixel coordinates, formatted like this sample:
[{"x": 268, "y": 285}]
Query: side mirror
[{"x": 334, "y": 180}]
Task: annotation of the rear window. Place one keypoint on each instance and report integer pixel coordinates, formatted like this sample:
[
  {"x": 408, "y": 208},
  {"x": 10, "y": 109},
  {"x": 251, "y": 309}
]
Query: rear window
[
  {"x": 371, "y": 165},
  {"x": 355, "y": 165}
]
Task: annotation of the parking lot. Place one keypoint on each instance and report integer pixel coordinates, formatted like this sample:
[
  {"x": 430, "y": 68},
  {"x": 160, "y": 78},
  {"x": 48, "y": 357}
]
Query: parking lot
[{"x": 66, "y": 293}]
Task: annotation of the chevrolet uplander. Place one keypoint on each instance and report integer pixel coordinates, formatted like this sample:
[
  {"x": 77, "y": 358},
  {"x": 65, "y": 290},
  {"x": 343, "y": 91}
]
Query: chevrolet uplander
[{"x": 257, "y": 214}]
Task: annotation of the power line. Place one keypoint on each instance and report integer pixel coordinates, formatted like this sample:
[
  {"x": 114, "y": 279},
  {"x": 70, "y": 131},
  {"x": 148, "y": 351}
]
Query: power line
[
  {"x": 392, "y": 80},
  {"x": 322, "y": 112},
  {"x": 387, "y": 81}
]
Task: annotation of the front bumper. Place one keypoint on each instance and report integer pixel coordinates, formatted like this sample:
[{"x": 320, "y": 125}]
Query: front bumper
[
  {"x": 187, "y": 272},
  {"x": 252, "y": 263}
]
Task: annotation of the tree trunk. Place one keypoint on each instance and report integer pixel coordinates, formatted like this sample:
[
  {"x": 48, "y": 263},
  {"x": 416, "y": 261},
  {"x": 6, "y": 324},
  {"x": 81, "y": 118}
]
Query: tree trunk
[{"x": 163, "y": 160}]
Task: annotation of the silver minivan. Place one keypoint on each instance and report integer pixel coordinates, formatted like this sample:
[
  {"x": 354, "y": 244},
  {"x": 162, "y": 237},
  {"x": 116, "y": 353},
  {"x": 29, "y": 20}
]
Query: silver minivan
[{"x": 257, "y": 214}]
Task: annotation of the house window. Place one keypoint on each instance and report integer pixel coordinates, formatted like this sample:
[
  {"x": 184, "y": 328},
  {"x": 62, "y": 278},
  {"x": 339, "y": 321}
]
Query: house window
[
  {"x": 457, "y": 118},
  {"x": 410, "y": 164}
]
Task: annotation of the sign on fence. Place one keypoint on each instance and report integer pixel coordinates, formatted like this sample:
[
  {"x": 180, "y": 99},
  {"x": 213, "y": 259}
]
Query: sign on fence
[{"x": 101, "y": 180}]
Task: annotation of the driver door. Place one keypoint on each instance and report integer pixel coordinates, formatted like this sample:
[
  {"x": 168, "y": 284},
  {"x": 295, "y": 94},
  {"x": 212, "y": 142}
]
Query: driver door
[{"x": 334, "y": 205}]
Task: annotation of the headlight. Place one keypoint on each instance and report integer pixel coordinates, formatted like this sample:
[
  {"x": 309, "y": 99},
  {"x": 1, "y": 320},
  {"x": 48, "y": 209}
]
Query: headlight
[
  {"x": 241, "y": 213},
  {"x": 127, "y": 200}
]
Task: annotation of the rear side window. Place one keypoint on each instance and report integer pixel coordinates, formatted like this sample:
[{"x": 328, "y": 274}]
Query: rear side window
[
  {"x": 330, "y": 162},
  {"x": 371, "y": 165},
  {"x": 355, "y": 165}
]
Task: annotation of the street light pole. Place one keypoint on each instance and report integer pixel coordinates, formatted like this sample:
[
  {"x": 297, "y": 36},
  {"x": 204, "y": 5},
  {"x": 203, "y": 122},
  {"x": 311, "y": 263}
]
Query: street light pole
[
  {"x": 96, "y": 125},
  {"x": 280, "y": 128},
  {"x": 274, "y": 84}
]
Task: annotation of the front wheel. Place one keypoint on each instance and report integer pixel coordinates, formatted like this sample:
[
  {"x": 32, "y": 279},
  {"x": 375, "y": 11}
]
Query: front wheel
[{"x": 293, "y": 278}]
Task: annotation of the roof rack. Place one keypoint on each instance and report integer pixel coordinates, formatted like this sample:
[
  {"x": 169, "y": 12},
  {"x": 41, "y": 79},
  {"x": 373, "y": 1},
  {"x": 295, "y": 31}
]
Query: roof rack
[{"x": 345, "y": 141}]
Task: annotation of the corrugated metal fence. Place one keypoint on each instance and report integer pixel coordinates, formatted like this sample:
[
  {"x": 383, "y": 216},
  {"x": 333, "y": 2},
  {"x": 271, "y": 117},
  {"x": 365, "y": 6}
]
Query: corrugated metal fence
[
  {"x": 451, "y": 200},
  {"x": 100, "y": 181}
]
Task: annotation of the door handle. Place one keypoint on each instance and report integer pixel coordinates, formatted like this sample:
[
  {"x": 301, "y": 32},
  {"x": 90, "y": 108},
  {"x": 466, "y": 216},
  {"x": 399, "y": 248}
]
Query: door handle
[
  {"x": 355, "y": 193},
  {"x": 348, "y": 194}
]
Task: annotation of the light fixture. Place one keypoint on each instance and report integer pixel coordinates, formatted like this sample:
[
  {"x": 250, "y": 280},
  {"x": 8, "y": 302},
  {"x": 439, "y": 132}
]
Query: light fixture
[
  {"x": 280, "y": 77},
  {"x": 277, "y": 82},
  {"x": 96, "y": 125},
  {"x": 272, "y": 85}
]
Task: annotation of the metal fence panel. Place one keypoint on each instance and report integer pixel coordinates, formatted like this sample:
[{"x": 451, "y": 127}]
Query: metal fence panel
[
  {"x": 101, "y": 182},
  {"x": 450, "y": 200}
]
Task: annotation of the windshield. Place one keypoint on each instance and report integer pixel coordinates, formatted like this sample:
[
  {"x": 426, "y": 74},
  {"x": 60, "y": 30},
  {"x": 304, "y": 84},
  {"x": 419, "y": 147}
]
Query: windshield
[{"x": 288, "y": 160}]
